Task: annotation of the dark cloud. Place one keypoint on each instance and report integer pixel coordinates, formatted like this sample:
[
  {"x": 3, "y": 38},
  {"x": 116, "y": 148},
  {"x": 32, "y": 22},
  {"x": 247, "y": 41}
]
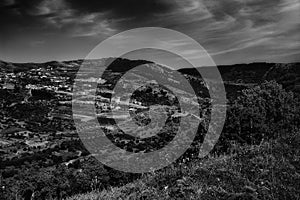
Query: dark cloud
[
  {"x": 77, "y": 17},
  {"x": 16, "y": 8},
  {"x": 123, "y": 8},
  {"x": 18, "y": 13}
]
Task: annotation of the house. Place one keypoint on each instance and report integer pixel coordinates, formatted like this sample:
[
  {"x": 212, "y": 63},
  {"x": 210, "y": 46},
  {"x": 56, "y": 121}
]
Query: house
[{"x": 8, "y": 86}]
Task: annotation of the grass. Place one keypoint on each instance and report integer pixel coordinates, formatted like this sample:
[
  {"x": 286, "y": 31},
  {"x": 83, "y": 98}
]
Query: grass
[{"x": 270, "y": 170}]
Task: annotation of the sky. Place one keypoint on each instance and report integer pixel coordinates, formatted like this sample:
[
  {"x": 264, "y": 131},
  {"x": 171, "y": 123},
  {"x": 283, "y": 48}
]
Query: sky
[{"x": 231, "y": 31}]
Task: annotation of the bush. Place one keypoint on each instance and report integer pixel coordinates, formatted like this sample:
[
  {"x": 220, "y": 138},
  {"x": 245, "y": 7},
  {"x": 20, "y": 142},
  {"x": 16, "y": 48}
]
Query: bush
[{"x": 264, "y": 112}]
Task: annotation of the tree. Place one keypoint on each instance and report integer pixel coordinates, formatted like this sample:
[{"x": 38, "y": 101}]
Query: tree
[{"x": 265, "y": 111}]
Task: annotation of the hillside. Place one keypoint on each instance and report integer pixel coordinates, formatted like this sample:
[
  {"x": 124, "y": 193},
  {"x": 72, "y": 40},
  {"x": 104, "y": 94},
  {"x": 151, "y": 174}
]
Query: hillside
[
  {"x": 258, "y": 172},
  {"x": 256, "y": 156},
  {"x": 240, "y": 76},
  {"x": 255, "y": 159}
]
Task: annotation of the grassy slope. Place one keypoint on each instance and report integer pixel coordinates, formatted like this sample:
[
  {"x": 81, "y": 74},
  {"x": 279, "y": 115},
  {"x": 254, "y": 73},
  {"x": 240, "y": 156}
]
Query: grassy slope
[{"x": 267, "y": 171}]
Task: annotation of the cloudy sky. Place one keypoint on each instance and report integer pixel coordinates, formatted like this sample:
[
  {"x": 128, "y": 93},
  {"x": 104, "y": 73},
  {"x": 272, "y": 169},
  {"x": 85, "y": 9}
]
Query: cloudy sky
[{"x": 232, "y": 31}]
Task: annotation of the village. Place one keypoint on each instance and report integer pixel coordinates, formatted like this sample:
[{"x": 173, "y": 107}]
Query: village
[{"x": 36, "y": 113}]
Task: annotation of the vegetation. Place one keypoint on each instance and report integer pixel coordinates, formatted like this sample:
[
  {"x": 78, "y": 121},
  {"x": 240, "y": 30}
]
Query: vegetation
[
  {"x": 261, "y": 113},
  {"x": 256, "y": 158},
  {"x": 265, "y": 171}
]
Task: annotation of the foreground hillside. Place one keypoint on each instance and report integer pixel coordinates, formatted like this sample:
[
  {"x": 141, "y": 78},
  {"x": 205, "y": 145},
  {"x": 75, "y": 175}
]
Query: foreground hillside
[{"x": 266, "y": 171}]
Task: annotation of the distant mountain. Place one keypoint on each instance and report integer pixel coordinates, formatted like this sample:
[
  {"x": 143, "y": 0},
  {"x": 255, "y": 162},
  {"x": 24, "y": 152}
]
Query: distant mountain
[
  {"x": 248, "y": 74},
  {"x": 235, "y": 77}
]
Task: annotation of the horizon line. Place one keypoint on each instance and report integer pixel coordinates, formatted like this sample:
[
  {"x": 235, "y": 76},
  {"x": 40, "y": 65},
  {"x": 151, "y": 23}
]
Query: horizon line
[{"x": 82, "y": 59}]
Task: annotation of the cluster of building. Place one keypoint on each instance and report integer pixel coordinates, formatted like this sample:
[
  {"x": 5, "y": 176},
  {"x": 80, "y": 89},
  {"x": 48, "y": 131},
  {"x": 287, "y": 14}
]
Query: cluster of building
[{"x": 20, "y": 136}]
